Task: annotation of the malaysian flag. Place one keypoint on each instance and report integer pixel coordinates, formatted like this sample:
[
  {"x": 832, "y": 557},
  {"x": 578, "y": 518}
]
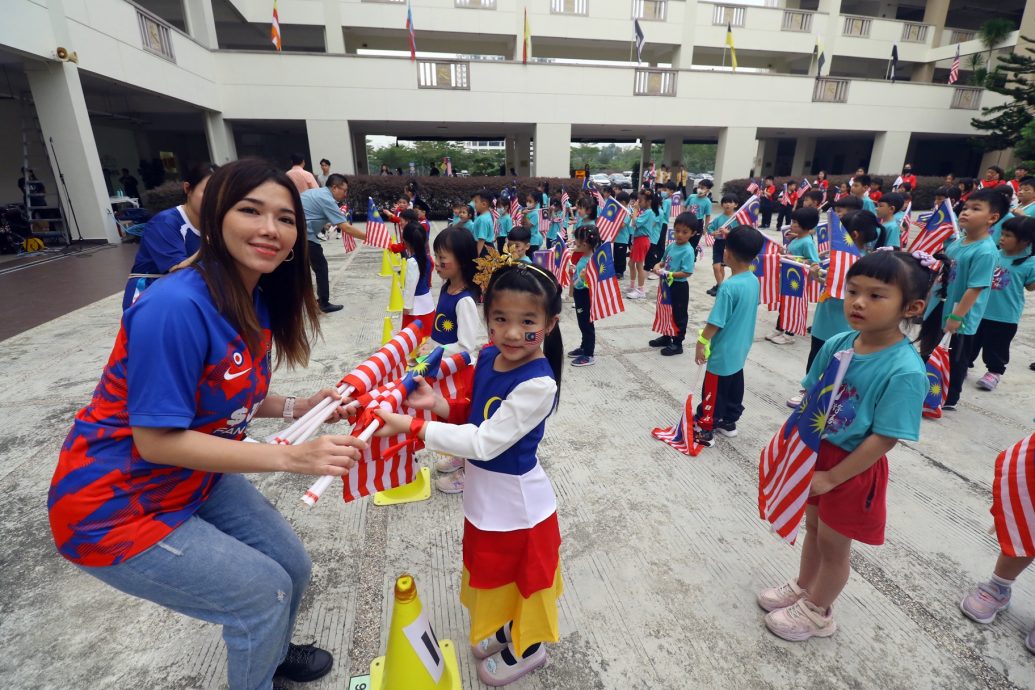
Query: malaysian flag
[
  {"x": 794, "y": 309},
  {"x": 676, "y": 209},
  {"x": 907, "y": 222},
  {"x": 610, "y": 220},
  {"x": 605, "y": 295},
  {"x": 681, "y": 435},
  {"x": 753, "y": 187},
  {"x": 663, "y": 321},
  {"x": 565, "y": 199},
  {"x": 596, "y": 195},
  {"x": 515, "y": 207},
  {"x": 495, "y": 220},
  {"x": 347, "y": 240},
  {"x": 411, "y": 32},
  {"x": 544, "y": 259},
  {"x": 823, "y": 238},
  {"x": 937, "y": 379},
  {"x": 377, "y": 232},
  {"x": 748, "y": 212},
  {"x": 766, "y": 267},
  {"x": 954, "y": 71},
  {"x": 786, "y": 464},
  {"x": 939, "y": 226},
  {"x": 1012, "y": 499},
  {"x": 813, "y": 286},
  {"x": 804, "y": 186},
  {"x": 843, "y": 253},
  {"x": 562, "y": 264}
]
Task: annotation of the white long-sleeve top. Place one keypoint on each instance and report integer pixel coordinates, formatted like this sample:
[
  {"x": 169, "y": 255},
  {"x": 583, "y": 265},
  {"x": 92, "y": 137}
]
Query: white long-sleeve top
[{"x": 414, "y": 303}]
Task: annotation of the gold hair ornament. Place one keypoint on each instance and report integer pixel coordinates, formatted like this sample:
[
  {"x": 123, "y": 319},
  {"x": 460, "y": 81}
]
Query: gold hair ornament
[{"x": 494, "y": 261}]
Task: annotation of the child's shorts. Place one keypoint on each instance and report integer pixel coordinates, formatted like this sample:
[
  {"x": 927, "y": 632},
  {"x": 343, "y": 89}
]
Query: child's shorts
[
  {"x": 857, "y": 508},
  {"x": 641, "y": 245},
  {"x": 718, "y": 250}
]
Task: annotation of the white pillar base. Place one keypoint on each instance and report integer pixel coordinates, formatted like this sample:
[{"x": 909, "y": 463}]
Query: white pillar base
[
  {"x": 889, "y": 153},
  {"x": 221, "y": 146},
  {"x": 735, "y": 155},
  {"x": 332, "y": 140},
  {"x": 552, "y": 149}
]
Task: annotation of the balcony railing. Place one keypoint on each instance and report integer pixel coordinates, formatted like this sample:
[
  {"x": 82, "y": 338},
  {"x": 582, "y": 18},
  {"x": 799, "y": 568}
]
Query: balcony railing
[
  {"x": 731, "y": 15},
  {"x": 856, "y": 26},
  {"x": 476, "y": 4},
  {"x": 655, "y": 82},
  {"x": 796, "y": 20},
  {"x": 388, "y": 2},
  {"x": 966, "y": 98},
  {"x": 443, "y": 74},
  {"x": 914, "y": 33},
  {"x": 577, "y": 7},
  {"x": 154, "y": 35},
  {"x": 650, "y": 10},
  {"x": 830, "y": 91},
  {"x": 961, "y": 35}
]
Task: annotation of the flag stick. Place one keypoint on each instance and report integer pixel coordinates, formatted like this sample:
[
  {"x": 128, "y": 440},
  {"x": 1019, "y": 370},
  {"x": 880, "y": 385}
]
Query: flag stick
[
  {"x": 312, "y": 495},
  {"x": 321, "y": 410}
]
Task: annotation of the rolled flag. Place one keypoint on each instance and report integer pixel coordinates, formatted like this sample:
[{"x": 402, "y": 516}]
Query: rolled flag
[
  {"x": 1013, "y": 495},
  {"x": 664, "y": 323},
  {"x": 937, "y": 379},
  {"x": 681, "y": 435}
]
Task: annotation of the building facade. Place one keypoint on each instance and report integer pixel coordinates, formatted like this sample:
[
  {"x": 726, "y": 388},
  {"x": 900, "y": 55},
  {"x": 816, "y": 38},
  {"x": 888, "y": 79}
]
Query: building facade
[{"x": 114, "y": 82}]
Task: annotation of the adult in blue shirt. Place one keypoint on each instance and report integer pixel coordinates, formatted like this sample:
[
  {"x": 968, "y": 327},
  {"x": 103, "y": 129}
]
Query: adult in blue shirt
[
  {"x": 323, "y": 206},
  {"x": 171, "y": 237}
]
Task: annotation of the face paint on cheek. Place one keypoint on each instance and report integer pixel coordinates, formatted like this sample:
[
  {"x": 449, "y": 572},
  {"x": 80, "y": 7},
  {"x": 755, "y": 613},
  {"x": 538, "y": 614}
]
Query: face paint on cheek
[
  {"x": 535, "y": 338},
  {"x": 492, "y": 336}
]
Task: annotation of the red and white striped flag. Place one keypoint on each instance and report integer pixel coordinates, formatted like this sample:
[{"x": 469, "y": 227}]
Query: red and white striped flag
[
  {"x": 562, "y": 264},
  {"x": 610, "y": 220},
  {"x": 377, "y": 231},
  {"x": 565, "y": 199},
  {"x": 1013, "y": 498},
  {"x": 275, "y": 28},
  {"x": 843, "y": 253},
  {"x": 940, "y": 225},
  {"x": 516, "y": 213},
  {"x": 813, "y": 287},
  {"x": 954, "y": 71},
  {"x": 787, "y": 463},
  {"x": 605, "y": 294},
  {"x": 937, "y": 379},
  {"x": 663, "y": 321},
  {"x": 387, "y": 364},
  {"x": 766, "y": 267},
  {"x": 794, "y": 308},
  {"x": 804, "y": 186},
  {"x": 677, "y": 208}
]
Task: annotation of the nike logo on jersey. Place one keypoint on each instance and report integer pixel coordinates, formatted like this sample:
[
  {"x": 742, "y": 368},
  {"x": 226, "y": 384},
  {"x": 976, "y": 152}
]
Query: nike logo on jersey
[{"x": 227, "y": 376}]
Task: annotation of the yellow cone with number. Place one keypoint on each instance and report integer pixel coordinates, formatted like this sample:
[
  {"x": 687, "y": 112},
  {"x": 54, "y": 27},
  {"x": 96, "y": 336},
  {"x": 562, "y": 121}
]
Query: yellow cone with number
[
  {"x": 395, "y": 299},
  {"x": 387, "y": 331},
  {"x": 415, "y": 658},
  {"x": 386, "y": 264}
]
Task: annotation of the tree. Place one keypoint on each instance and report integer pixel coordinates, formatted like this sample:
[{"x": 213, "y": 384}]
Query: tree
[
  {"x": 1005, "y": 125},
  {"x": 992, "y": 33}
]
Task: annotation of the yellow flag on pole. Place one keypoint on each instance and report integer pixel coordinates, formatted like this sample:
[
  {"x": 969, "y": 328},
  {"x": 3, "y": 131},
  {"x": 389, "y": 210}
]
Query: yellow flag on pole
[
  {"x": 526, "y": 46},
  {"x": 729, "y": 42}
]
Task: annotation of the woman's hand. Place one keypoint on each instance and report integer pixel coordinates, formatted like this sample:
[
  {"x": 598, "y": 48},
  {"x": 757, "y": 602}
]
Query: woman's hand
[
  {"x": 326, "y": 455},
  {"x": 424, "y": 396},
  {"x": 303, "y": 405},
  {"x": 394, "y": 424}
]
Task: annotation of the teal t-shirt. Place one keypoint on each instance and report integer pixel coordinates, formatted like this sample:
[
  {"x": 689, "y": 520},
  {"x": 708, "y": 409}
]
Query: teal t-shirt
[
  {"x": 868, "y": 204},
  {"x": 666, "y": 208},
  {"x": 678, "y": 258},
  {"x": 997, "y": 229},
  {"x": 625, "y": 233},
  {"x": 505, "y": 224},
  {"x": 644, "y": 223},
  {"x": 534, "y": 217},
  {"x": 804, "y": 246},
  {"x": 892, "y": 233},
  {"x": 1006, "y": 298},
  {"x": 655, "y": 228},
  {"x": 555, "y": 228},
  {"x": 482, "y": 227},
  {"x": 717, "y": 222},
  {"x": 1028, "y": 210},
  {"x": 829, "y": 319},
  {"x": 882, "y": 392},
  {"x": 580, "y": 284},
  {"x": 526, "y": 260},
  {"x": 734, "y": 312},
  {"x": 972, "y": 267},
  {"x": 700, "y": 206}
]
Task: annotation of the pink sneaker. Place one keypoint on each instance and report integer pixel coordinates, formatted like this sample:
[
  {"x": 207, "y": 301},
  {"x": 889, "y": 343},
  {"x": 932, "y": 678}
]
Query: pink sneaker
[
  {"x": 984, "y": 603},
  {"x": 447, "y": 464},
  {"x": 989, "y": 381},
  {"x": 780, "y": 597},
  {"x": 800, "y": 621},
  {"x": 451, "y": 483},
  {"x": 494, "y": 672},
  {"x": 487, "y": 647}
]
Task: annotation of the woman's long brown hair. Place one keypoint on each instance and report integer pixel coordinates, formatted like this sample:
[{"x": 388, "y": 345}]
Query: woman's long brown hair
[{"x": 287, "y": 290}]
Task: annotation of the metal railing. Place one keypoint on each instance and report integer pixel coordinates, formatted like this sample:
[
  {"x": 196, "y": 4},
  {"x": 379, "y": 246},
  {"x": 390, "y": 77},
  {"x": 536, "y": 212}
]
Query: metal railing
[
  {"x": 856, "y": 26},
  {"x": 476, "y": 4},
  {"x": 655, "y": 82},
  {"x": 830, "y": 90},
  {"x": 914, "y": 33},
  {"x": 732, "y": 15},
  {"x": 154, "y": 35},
  {"x": 650, "y": 10},
  {"x": 578, "y": 7},
  {"x": 796, "y": 20},
  {"x": 966, "y": 98},
  {"x": 443, "y": 74},
  {"x": 961, "y": 35}
]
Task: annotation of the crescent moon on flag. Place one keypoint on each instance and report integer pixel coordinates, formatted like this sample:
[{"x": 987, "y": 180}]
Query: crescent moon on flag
[
  {"x": 794, "y": 272},
  {"x": 438, "y": 327},
  {"x": 601, "y": 261},
  {"x": 485, "y": 411}
]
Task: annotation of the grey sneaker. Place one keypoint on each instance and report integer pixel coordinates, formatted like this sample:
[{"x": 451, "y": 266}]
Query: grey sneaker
[
  {"x": 984, "y": 603},
  {"x": 494, "y": 672}
]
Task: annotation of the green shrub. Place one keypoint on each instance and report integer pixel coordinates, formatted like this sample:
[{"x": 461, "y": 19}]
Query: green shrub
[{"x": 165, "y": 195}]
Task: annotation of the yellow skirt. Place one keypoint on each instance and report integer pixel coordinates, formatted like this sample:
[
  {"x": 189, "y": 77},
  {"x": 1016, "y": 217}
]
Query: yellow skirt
[{"x": 535, "y": 618}]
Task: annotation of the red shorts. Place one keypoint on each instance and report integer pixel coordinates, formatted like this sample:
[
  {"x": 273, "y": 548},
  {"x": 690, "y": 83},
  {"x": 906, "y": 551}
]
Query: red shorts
[
  {"x": 426, "y": 323},
  {"x": 641, "y": 245},
  {"x": 857, "y": 508}
]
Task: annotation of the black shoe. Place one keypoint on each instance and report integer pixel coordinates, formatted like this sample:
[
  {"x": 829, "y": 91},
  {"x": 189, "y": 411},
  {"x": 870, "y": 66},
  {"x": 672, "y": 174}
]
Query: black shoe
[
  {"x": 577, "y": 352},
  {"x": 727, "y": 429},
  {"x": 704, "y": 438},
  {"x": 672, "y": 349},
  {"x": 713, "y": 290},
  {"x": 305, "y": 662},
  {"x": 328, "y": 308},
  {"x": 663, "y": 341},
  {"x": 1032, "y": 366}
]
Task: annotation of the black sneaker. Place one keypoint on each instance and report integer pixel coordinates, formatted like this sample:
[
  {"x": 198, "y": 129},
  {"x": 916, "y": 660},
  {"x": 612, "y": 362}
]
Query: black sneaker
[
  {"x": 328, "y": 308},
  {"x": 577, "y": 352},
  {"x": 704, "y": 438},
  {"x": 663, "y": 341},
  {"x": 727, "y": 429},
  {"x": 1032, "y": 366},
  {"x": 305, "y": 662},
  {"x": 672, "y": 349},
  {"x": 713, "y": 290}
]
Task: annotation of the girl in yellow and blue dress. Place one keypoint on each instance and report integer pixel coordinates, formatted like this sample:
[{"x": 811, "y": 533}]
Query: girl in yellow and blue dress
[{"x": 511, "y": 571}]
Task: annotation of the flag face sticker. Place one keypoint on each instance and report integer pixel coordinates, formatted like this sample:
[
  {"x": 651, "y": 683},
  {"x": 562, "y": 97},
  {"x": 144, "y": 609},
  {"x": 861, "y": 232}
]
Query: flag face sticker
[{"x": 535, "y": 337}]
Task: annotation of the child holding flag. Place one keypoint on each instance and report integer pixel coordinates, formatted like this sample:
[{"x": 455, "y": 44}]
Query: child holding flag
[
  {"x": 890, "y": 234},
  {"x": 482, "y": 225},
  {"x": 623, "y": 237},
  {"x": 511, "y": 545},
  {"x": 676, "y": 266},
  {"x": 643, "y": 225},
  {"x": 882, "y": 387},
  {"x": 503, "y": 225},
  {"x": 586, "y": 240},
  {"x": 803, "y": 243},
  {"x": 718, "y": 234},
  {"x": 727, "y": 338},
  {"x": 533, "y": 217}
]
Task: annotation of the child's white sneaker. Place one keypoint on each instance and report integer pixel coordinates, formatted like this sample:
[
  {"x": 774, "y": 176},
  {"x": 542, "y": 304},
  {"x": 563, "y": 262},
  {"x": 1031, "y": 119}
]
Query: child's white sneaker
[
  {"x": 800, "y": 621},
  {"x": 780, "y": 597},
  {"x": 782, "y": 339},
  {"x": 448, "y": 464},
  {"x": 772, "y": 334},
  {"x": 495, "y": 672},
  {"x": 451, "y": 483}
]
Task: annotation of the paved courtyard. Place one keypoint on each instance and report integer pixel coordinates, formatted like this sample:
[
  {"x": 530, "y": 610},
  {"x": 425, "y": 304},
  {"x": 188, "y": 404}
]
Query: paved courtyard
[{"x": 662, "y": 554}]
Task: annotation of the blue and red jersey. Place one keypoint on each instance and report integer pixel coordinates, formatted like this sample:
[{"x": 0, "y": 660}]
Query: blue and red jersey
[
  {"x": 177, "y": 363},
  {"x": 168, "y": 239}
]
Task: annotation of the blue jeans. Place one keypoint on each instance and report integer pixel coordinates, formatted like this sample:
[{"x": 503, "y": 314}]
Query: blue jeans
[{"x": 236, "y": 562}]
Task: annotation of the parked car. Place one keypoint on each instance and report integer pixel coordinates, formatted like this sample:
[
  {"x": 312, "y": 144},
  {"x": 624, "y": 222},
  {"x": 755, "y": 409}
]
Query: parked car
[
  {"x": 620, "y": 181},
  {"x": 600, "y": 180},
  {"x": 463, "y": 173}
]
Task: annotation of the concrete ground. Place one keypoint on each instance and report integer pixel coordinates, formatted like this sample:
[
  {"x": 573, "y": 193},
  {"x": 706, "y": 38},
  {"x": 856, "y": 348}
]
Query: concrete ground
[{"x": 662, "y": 554}]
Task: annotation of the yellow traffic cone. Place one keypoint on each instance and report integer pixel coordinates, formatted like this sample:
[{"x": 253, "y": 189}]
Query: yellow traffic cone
[
  {"x": 387, "y": 331},
  {"x": 415, "y": 658},
  {"x": 395, "y": 299},
  {"x": 417, "y": 490},
  {"x": 386, "y": 264}
]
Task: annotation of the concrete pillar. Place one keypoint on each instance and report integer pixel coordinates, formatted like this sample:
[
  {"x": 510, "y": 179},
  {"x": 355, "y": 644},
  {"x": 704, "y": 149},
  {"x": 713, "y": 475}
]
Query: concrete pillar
[
  {"x": 645, "y": 159},
  {"x": 766, "y": 160},
  {"x": 831, "y": 31},
  {"x": 804, "y": 149},
  {"x": 334, "y": 38},
  {"x": 331, "y": 139},
  {"x": 889, "y": 152},
  {"x": 684, "y": 53},
  {"x": 221, "y": 147},
  {"x": 359, "y": 149},
  {"x": 201, "y": 22},
  {"x": 522, "y": 154},
  {"x": 673, "y": 151},
  {"x": 935, "y": 13},
  {"x": 61, "y": 108},
  {"x": 1027, "y": 28},
  {"x": 552, "y": 149},
  {"x": 735, "y": 154}
]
